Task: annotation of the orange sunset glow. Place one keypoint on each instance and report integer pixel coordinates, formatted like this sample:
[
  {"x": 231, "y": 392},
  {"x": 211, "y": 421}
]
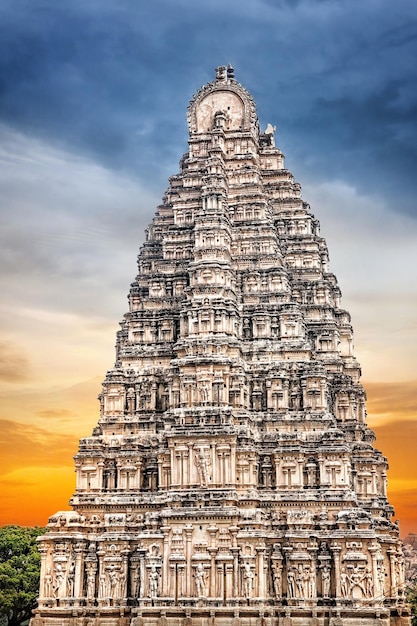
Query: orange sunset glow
[{"x": 37, "y": 467}]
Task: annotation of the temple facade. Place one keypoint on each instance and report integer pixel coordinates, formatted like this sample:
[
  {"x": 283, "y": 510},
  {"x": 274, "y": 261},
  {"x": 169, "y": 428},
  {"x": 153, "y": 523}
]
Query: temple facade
[{"x": 232, "y": 478}]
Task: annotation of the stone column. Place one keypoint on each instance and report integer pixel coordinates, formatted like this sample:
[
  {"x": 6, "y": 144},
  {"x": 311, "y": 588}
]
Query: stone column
[
  {"x": 79, "y": 549},
  {"x": 188, "y": 530},
  {"x": 373, "y": 550},
  {"x": 261, "y": 571},
  {"x": 142, "y": 569},
  {"x": 165, "y": 562},
  {"x": 43, "y": 549},
  {"x": 393, "y": 572},
  {"x": 101, "y": 576},
  {"x": 336, "y": 549},
  {"x": 124, "y": 576}
]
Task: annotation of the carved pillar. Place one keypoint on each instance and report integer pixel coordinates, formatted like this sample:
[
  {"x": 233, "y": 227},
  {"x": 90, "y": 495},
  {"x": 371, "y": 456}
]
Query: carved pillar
[
  {"x": 261, "y": 571},
  {"x": 336, "y": 549},
  {"x": 393, "y": 572},
  {"x": 135, "y": 576},
  {"x": 124, "y": 575},
  {"x": 142, "y": 569},
  {"x": 165, "y": 563},
  {"x": 374, "y": 549},
  {"x": 79, "y": 549},
  {"x": 188, "y": 530},
  {"x": 43, "y": 549}
]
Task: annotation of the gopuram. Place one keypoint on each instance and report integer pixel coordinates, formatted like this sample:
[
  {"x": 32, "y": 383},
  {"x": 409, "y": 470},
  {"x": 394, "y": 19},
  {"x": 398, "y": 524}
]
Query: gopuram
[{"x": 232, "y": 478}]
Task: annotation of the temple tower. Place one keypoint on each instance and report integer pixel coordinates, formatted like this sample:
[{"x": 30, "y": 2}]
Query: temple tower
[{"x": 231, "y": 479}]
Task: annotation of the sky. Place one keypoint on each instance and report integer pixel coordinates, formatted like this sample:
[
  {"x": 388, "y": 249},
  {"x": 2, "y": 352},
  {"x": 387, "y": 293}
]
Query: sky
[{"x": 93, "y": 99}]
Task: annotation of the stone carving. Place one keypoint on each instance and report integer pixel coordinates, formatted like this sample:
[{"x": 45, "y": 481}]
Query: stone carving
[
  {"x": 59, "y": 577},
  {"x": 325, "y": 581},
  {"x": 200, "y": 580},
  {"x": 202, "y": 462},
  {"x": 153, "y": 582},
  {"x": 277, "y": 580},
  {"x": 344, "y": 583},
  {"x": 232, "y": 463},
  {"x": 91, "y": 581},
  {"x": 70, "y": 580},
  {"x": 248, "y": 577},
  {"x": 291, "y": 583},
  {"x": 47, "y": 582}
]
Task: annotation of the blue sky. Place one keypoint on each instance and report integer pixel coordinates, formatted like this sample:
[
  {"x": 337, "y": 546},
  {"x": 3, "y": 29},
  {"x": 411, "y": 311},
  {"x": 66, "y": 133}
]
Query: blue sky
[{"x": 93, "y": 99}]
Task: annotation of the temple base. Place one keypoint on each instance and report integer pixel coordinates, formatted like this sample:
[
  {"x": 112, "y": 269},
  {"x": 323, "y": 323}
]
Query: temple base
[{"x": 223, "y": 616}]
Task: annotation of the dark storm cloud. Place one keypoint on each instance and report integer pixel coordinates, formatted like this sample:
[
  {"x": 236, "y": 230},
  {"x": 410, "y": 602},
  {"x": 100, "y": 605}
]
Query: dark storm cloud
[{"x": 112, "y": 80}]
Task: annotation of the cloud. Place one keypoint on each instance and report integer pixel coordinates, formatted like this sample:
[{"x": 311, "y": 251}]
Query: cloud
[
  {"x": 14, "y": 363},
  {"x": 393, "y": 402},
  {"x": 112, "y": 81},
  {"x": 25, "y": 445},
  {"x": 62, "y": 414}
]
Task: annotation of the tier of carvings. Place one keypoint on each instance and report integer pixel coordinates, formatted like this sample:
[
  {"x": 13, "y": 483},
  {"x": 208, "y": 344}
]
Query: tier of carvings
[{"x": 232, "y": 465}]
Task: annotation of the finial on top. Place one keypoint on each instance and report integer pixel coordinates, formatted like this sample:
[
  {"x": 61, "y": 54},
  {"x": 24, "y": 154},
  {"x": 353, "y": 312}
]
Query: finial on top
[{"x": 223, "y": 72}]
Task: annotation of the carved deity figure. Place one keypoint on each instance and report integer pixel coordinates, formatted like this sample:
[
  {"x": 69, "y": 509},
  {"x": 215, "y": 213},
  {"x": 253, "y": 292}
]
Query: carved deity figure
[
  {"x": 369, "y": 583},
  {"x": 70, "y": 580},
  {"x": 299, "y": 581},
  {"x": 59, "y": 576},
  {"x": 291, "y": 583},
  {"x": 113, "y": 580},
  {"x": 310, "y": 582},
  {"x": 153, "y": 582},
  {"x": 381, "y": 579},
  {"x": 277, "y": 580},
  {"x": 325, "y": 581},
  {"x": 200, "y": 580},
  {"x": 102, "y": 585},
  {"x": 344, "y": 583},
  {"x": 203, "y": 466},
  {"x": 47, "y": 584},
  {"x": 356, "y": 580},
  {"x": 247, "y": 580},
  {"x": 122, "y": 583},
  {"x": 136, "y": 582},
  {"x": 91, "y": 583}
]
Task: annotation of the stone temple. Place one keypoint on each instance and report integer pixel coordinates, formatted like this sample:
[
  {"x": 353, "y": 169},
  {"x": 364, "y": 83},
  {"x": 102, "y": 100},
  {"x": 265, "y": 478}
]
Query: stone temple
[{"x": 232, "y": 478}]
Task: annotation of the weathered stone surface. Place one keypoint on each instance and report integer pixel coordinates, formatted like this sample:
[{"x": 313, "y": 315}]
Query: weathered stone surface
[{"x": 232, "y": 477}]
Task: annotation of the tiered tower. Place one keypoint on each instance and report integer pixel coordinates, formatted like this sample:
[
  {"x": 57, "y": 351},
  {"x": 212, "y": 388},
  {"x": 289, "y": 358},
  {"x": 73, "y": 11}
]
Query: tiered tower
[{"x": 232, "y": 478}]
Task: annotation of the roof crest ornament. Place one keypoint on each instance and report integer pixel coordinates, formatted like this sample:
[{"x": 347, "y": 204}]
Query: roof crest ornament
[{"x": 224, "y": 81}]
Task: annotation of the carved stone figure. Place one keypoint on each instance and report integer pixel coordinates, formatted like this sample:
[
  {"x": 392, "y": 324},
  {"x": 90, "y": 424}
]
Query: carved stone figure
[
  {"x": 325, "y": 581},
  {"x": 59, "y": 576},
  {"x": 291, "y": 583},
  {"x": 200, "y": 580},
  {"x": 70, "y": 580},
  {"x": 203, "y": 466},
  {"x": 247, "y": 580},
  {"x": 102, "y": 585},
  {"x": 344, "y": 583},
  {"x": 91, "y": 583},
  {"x": 47, "y": 581},
  {"x": 113, "y": 576},
  {"x": 277, "y": 580},
  {"x": 153, "y": 582}
]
